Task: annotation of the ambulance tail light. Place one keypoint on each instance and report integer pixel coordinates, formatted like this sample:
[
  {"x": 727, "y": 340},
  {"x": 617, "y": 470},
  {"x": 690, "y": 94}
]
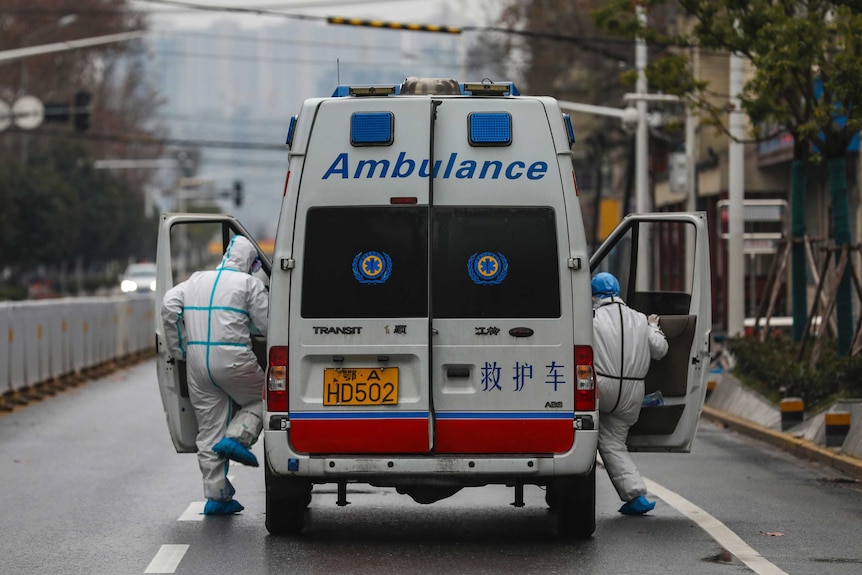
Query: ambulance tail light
[
  {"x": 585, "y": 390},
  {"x": 276, "y": 379}
]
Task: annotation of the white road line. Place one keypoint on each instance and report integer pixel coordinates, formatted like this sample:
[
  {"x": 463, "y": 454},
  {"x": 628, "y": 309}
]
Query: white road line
[
  {"x": 194, "y": 512},
  {"x": 716, "y": 529},
  {"x": 167, "y": 559}
]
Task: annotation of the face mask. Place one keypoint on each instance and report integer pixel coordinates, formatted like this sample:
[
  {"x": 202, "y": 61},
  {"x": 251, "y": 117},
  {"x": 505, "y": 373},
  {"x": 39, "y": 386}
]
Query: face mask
[{"x": 255, "y": 267}]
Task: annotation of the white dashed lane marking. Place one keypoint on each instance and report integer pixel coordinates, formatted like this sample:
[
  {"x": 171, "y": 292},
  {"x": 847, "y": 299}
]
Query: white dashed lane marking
[
  {"x": 167, "y": 559},
  {"x": 194, "y": 512}
]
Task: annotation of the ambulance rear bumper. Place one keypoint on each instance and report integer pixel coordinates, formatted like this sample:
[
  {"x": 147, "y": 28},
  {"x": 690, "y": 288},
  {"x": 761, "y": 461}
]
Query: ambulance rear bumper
[{"x": 465, "y": 469}]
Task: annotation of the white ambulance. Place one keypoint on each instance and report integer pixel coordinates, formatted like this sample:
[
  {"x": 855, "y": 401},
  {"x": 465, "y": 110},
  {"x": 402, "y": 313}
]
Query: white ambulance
[{"x": 430, "y": 309}]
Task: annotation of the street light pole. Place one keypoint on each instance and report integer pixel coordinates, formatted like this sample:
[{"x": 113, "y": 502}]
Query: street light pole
[
  {"x": 642, "y": 204},
  {"x": 7, "y": 56},
  {"x": 736, "y": 198}
]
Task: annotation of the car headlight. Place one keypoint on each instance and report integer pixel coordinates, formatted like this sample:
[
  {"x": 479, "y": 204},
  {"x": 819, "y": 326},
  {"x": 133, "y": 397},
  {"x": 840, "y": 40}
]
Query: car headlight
[
  {"x": 128, "y": 286},
  {"x": 153, "y": 285}
]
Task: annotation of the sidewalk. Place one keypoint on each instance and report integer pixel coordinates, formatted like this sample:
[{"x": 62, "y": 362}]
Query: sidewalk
[{"x": 745, "y": 411}]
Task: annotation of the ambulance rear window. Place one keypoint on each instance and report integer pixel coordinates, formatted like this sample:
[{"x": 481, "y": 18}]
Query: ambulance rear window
[
  {"x": 495, "y": 262},
  {"x": 365, "y": 262}
]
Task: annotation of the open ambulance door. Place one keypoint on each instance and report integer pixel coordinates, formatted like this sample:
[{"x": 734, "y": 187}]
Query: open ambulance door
[
  {"x": 662, "y": 263},
  {"x": 188, "y": 243}
]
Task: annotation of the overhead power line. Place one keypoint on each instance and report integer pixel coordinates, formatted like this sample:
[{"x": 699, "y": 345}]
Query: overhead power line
[
  {"x": 257, "y": 40},
  {"x": 251, "y": 11},
  {"x": 586, "y": 43}
]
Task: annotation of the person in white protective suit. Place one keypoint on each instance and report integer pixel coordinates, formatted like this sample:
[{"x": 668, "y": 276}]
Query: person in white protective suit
[
  {"x": 208, "y": 321},
  {"x": 624, "y": 342}
]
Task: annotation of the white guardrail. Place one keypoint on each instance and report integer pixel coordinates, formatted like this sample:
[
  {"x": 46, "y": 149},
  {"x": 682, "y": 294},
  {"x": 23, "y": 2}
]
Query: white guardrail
[{"x": 47, "y": 340}]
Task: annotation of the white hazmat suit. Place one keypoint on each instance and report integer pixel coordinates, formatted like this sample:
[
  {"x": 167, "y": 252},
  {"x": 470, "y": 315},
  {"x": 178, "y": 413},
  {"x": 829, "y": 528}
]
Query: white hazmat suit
[
  {"x": 208, "y": 321},
  {"x": 624, "y": 343}
]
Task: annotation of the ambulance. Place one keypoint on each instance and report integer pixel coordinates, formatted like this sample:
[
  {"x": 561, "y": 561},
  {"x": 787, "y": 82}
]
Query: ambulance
[{"x": 430, "y": 319}]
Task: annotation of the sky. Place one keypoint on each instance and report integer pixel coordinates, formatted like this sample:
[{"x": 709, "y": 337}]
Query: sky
[
  {"x": 414, "y": 11},
  {"x": 210, "y": 87}
]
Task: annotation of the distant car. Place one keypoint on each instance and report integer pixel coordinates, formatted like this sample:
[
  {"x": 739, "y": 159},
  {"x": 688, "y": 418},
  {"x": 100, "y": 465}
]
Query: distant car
[{"x": 140, "y": 278}]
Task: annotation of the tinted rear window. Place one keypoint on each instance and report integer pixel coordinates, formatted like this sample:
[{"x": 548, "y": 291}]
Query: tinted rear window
[
  {"x": 365, "y": 262},
  {"x": 495, "y": 262}
]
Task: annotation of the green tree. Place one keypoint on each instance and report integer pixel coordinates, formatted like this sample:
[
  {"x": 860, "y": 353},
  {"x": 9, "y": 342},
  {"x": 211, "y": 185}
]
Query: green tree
[
  {"x": 64, "y": 210},
  {"x": 806, "y": 59}
]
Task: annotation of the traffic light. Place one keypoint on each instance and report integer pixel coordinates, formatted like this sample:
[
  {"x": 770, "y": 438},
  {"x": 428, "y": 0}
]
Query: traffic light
[
  {"x": 237, "y": 193},
  {"x": 81, "y": 111}
]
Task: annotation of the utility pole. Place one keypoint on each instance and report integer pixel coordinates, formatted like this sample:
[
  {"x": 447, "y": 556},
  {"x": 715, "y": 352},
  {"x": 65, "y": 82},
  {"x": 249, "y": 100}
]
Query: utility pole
[
  {"x": 736, "y": 198},
  {"x": 691, "y": 122},
  {"x": 642, "y": 203}
]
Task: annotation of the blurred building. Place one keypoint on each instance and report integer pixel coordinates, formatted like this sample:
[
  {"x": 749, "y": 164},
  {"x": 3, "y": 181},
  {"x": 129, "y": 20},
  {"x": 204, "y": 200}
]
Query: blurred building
[{"x": 226, "y": 86}]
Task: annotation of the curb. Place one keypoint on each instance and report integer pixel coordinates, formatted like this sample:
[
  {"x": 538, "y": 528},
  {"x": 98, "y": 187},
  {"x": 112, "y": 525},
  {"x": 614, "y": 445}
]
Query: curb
[{"x": 796, "y": 446}]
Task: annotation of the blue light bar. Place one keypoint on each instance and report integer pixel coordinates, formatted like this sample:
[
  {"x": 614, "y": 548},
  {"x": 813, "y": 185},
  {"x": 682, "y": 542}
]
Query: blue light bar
[
  {"x": 490, "y": 128},
  {"x": 371, "y": 128},
  {"x": 567, "y": 120},
  {"x": 289, "y": 140}
]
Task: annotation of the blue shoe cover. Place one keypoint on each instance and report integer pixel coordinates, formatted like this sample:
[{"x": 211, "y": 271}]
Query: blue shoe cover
[
  {"x": 214, "y": 507},
  {"x": 233, "y": 449},
  {"x": 637, "y": 506}
]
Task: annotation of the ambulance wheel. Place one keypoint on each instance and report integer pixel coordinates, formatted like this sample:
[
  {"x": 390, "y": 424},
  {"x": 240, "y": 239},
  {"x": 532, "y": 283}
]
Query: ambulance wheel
[
  {"x": 287, "y": 500},
  {"x": 573, "y": 499}
]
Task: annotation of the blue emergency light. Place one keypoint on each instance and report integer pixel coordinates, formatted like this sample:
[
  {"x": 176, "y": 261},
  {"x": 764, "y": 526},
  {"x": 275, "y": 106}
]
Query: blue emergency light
[
  {"x": 290, "y": 129},
  {"x": 371, "y": 129},
  {"x": 567, "y": 120},
  {"x": 490, "y": 128}
]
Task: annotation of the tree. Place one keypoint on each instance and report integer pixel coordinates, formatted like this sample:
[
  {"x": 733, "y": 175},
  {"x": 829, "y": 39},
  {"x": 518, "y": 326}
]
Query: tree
[
  {"x": 558, "y": 50},
  {"x": 806, "y": 57},
  {"x": 53, "y": 206}
]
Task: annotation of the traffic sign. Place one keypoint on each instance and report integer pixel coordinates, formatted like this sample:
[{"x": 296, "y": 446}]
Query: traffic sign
[{"x": 28, "y": 112}]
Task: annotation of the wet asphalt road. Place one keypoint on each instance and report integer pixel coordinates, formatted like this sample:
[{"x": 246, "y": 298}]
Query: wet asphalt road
[{"x": 92, "y": 485}]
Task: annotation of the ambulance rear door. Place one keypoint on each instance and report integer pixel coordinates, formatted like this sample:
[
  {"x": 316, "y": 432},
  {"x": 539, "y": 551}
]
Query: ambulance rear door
[
  {"x": 662, "y": 264},
  {"x": 502, "y": 354},
  {"x": 358, "y": 344},
  {"x": 188, "y": 243}
]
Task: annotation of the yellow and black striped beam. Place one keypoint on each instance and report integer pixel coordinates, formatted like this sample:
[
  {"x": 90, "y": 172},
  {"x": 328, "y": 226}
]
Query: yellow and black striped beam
[{"x": 393, "y": 25}]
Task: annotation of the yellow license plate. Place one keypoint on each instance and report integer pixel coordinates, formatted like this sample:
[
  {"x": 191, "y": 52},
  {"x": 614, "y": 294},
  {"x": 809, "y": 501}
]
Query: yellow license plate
[{"x": 360, "y": 386}]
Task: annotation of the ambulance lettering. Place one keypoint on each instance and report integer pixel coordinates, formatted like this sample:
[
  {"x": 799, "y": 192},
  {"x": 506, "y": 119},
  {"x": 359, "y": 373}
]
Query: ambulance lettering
[{"x": 405, "y": 167}]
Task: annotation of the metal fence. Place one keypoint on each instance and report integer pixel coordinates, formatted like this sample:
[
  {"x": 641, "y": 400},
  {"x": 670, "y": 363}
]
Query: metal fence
[{"x": 48, "y": 341}]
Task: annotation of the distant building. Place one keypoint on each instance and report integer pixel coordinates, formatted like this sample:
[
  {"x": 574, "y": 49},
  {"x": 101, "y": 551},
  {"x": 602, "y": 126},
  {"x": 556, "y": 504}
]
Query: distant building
[{"x": 226, "y": 86}]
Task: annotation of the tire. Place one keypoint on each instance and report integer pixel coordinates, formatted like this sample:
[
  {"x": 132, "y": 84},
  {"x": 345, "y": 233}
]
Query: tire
[
  {"x": 573, "y": 499},
  {"x": 287, "y": 500}
]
